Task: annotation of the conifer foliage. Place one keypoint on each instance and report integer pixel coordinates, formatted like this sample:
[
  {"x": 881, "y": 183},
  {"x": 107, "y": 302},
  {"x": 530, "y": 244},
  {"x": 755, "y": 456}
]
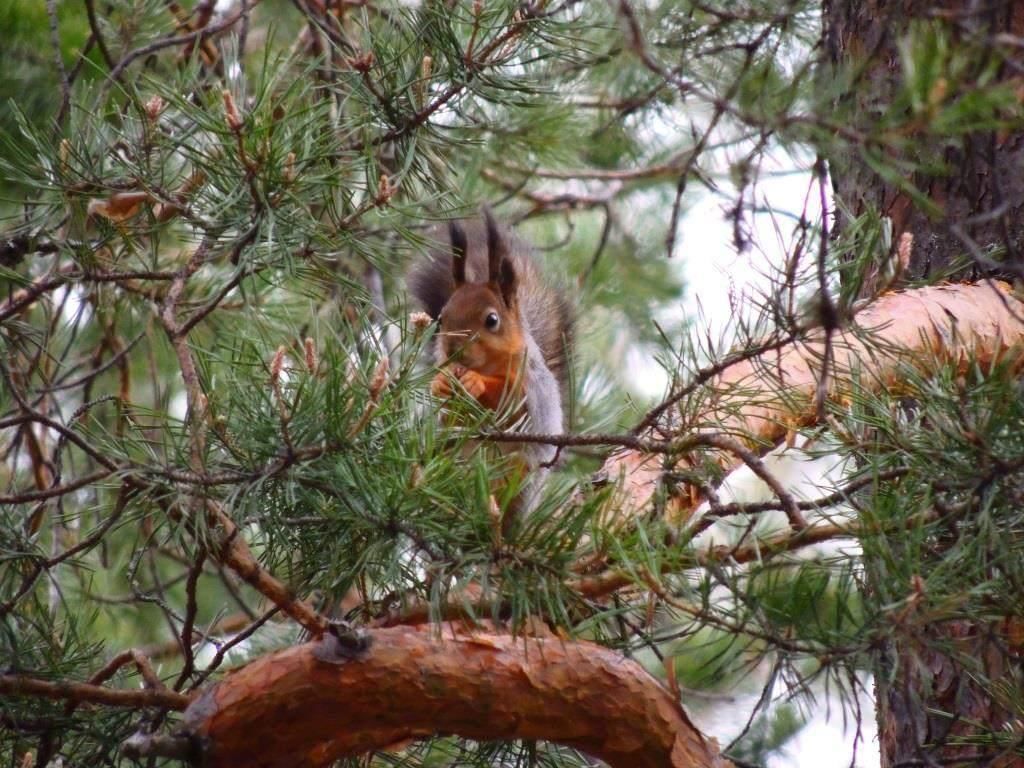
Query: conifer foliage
[{"x": 234, "y": 529}]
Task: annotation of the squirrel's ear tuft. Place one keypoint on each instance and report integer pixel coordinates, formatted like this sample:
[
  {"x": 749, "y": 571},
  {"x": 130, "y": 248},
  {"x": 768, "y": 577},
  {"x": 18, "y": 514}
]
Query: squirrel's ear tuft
[
  {"x": 497, "y": 248},
  {"x": 458, "y": 238},
  {"x": 507, "y": 281}
]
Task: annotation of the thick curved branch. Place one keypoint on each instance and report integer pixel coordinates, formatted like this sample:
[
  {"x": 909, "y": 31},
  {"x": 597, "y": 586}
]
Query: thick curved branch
[
  {"x": 317, "y": 702},
  {"x": 764, "y": 397}
]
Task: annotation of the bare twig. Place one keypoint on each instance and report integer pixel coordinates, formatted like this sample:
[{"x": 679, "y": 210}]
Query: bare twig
[{"x": 85, "y": 693}]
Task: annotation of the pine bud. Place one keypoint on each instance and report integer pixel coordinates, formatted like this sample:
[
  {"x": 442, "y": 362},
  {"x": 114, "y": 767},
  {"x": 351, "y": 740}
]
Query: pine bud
[
  {"x": 385, "y": 190},
  {"x": 154, "y": 107},
  {"x": 289, "y": 168},
  {"x": 380, "y": 378},
  {"x": 361, "y": 63},
  {"x": 231, "y": 111},
  {"x": 420, "y": 321},
  {"x": 309, "y": 347},
  {"x": 276, "y": 365},
  {"x": 422, "y": 85},
  {"x": 65, "y": 156}
]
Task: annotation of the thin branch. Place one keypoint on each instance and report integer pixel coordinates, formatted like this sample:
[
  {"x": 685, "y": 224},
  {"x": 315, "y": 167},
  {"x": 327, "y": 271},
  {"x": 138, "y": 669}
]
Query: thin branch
[{"x": 82, "y": 693}]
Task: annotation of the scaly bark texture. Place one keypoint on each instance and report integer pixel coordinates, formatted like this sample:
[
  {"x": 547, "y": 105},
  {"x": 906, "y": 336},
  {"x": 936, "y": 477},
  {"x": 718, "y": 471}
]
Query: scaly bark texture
[
  {"x": 978, "y": 192},
  {"x": 973, "y": 187},
  {"x": 314, "y": 703}
]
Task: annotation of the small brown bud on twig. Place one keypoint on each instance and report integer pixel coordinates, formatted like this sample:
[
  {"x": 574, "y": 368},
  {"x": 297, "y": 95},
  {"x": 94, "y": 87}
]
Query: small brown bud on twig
[
  {"x": 65, "y": 155},
  {"x": 231, "y": 111},
  {"x": 385, "y": 190},
  {"x": 276, "y": 366},
  {"x": 377, "y": 384},
  {"x": 420, "y": 321},
  {"x": 289, "y": 168},
  {"x": 494, "y": 513},
  {"x": 154, "y": 107},
  {"x": 422, "y": 85},
  {"x": 380, "y": 378},
  {"x": 362, "y": 63},
  {"x": 309, "y": 347},
  {"x": 478, "y": 7},
  {"x": 651, "y": 609}
]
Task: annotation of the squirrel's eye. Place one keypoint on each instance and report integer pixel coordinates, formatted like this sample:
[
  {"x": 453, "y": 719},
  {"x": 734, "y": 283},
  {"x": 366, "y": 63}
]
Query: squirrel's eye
[{"x": 492, "y": 321}]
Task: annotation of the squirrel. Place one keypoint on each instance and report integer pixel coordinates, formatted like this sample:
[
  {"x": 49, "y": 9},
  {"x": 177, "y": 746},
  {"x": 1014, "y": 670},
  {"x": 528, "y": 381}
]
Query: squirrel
[{"x": 505, "y": 331}]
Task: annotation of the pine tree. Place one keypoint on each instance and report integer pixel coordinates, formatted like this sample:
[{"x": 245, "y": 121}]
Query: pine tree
[{"x": 220, "y": 453}]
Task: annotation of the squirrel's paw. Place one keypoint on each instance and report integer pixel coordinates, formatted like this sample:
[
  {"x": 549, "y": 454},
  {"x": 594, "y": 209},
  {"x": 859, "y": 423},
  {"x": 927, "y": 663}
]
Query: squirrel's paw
[
  {"x": 441, "y": 386},
  {"x": 474, "y": 384}
]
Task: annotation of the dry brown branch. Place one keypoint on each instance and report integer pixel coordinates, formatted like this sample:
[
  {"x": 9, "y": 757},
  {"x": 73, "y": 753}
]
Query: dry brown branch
[
  {"x": 406, "y": 683},
  {"x": 19, "y": 685},
  {"x": 231, "y": 549},
  {"x": 764, "y": 397},
  {"x": 134, "y": 656}
]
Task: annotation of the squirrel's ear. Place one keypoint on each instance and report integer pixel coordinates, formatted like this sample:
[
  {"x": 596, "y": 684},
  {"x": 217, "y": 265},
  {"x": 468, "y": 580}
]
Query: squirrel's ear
[
  {"x": 507, "y": 281},
  {"x": 458, "y": 238},
  {"x": 497, "y": 248}
]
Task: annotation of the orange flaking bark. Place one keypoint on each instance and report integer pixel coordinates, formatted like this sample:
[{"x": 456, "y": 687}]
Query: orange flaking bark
[{"x": 314, "y": 703}]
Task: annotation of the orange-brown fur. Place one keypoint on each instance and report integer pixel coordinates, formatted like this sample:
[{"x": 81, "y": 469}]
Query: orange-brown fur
[
  {"x": 490, "y": 391},
  {"x": 489, "y": 366},
  {"x": 487, "y": 363}
]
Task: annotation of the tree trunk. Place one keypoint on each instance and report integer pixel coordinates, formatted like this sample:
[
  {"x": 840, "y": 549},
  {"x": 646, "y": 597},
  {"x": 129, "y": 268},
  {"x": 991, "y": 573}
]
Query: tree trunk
[
  {"x": 931, "y": 695},
  {"x": 973, "y": 187}
]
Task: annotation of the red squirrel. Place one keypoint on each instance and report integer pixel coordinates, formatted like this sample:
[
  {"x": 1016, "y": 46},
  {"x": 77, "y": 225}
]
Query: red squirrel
[{"x": 505, "y": 331}]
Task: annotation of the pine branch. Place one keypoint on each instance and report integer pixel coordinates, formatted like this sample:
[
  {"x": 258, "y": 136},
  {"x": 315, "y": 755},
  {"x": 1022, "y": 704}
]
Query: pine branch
[{"x": 765, "y": 397}]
